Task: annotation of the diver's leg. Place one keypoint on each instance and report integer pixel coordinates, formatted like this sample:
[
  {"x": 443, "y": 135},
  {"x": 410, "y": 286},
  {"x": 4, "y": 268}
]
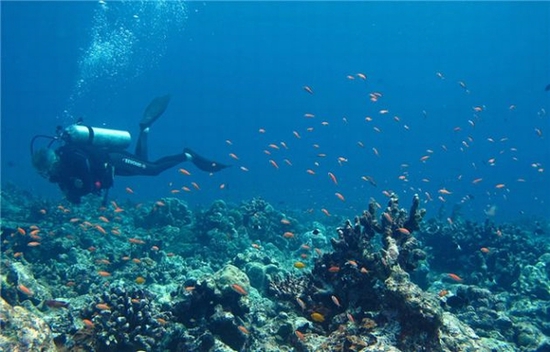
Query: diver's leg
[
  {"x": 142, "y": 143},
  {"x": 126, "y": 164}
]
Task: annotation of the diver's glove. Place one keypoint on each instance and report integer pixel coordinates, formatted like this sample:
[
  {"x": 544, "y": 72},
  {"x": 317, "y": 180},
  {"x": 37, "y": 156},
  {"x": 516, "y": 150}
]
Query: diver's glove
[{"x": 203, "y": 163}]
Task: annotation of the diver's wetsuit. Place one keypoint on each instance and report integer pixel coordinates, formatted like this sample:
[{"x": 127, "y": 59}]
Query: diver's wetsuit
[{"x": 85, "y": 170}]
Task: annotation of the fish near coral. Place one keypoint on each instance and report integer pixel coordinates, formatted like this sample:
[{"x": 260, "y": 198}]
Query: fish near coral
[
  {"x": 239, "y": 289},
  {"x": 455, "y": 277},
  {"x": 25, "y": 290},
  {"x": 53, "y": 303},
  {"x": 299, "y": 265},
  {"x": 317, "y": 317}
]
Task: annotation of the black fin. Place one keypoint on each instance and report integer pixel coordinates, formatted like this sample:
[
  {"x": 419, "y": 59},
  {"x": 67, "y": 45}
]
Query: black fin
[
  {"x": 154, "y": 110},
  {"x": 204, "y": 164}
]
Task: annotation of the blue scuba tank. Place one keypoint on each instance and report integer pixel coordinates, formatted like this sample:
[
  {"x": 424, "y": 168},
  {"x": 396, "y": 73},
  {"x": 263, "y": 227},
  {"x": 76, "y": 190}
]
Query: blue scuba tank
[{"x": 95, "y": 136}]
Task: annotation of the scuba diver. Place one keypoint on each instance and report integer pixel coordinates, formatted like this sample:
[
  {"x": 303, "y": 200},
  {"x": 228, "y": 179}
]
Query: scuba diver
[{"x": 90, "y": 157}]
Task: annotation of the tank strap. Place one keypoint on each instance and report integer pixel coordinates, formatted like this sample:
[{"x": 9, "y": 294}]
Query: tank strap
[{"x": 90, "y": 134}]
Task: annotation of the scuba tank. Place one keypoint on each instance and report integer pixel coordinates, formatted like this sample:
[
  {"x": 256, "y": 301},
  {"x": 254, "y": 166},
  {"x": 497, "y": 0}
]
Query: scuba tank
[{"x": 95, "y": 136}]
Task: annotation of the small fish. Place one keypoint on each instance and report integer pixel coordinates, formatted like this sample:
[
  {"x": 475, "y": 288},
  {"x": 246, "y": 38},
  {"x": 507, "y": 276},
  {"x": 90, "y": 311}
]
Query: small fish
[
  {"x": 25, "y": 290},
  {"x": 444, "y": 191},
  {"x": 299, "y": 265},
  {"x": 333, "y": 178},
  {"x": 239, "y": 289},
  {"x": 100, "y": 229},
  {"x": 317, "y": 317},
  {"x": 340, "y": 196},
  {"x": 129, "y": 190},
  {"x": 185, "y": 172},
  {"x": 102, "y": 306},
  {"x": 288, "y": 234},
  {"x": 54, "y": 303},
  {"x": 243, "y": 330},
  {"x": 88, "y": 323},
  {"x": 308, "y": 89},
  {"x": 104, "y": 273},
  {"x": 300, "y": 335},
  {"x": 301, "y": 303},
  {"x": 104, "y": 219},
  {"x": 335, "y": 301},
  {"x": 274, "y": 164},
  {"x": 455, "y": 277},
  {"x": 404, "y": 231},
  {"x": 485, "y": 250}
]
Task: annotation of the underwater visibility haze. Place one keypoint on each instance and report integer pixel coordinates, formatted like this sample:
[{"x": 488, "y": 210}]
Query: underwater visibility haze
[{"x": 386, "y": 189}]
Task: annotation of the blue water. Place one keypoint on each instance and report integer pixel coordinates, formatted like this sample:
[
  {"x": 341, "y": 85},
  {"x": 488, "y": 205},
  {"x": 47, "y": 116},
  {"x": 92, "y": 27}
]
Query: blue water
[{"x": 233, "y": 68}]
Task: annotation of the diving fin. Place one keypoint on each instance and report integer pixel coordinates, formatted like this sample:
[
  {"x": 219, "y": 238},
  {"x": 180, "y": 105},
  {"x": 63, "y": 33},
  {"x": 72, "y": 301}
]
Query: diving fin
[
  {"x": 204, "y": 164},
  {"x": 153, "y": 111}
]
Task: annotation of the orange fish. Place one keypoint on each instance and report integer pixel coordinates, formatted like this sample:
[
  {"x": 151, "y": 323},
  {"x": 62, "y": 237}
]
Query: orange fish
[
  {"x": 404, "y": 231},
  {"x": 485, "y": 250},
  {"x": 88, "y": 323},
  {"x": 300, "y": 335},
  {"x": 185, "y": 172},
  {"x": 100, "y": 229},
  {"x": 444, "y": 191},
  {"x": 272, "y": 162},
  {"x": 21, "y": 231},
  {"x": 333, "y": 269},
  {"x": 325, "y": 212},
  {"x": 285, "y": 221},
  {"x": 33, "y": 244},
  {"x": 455, "y": 277},
  {"x": 104, "y": 219},
  {"x": 239, "y": 289},
  {"x": 136, "y": 241},
  {"x": 443, "y": 293},
  {"x": 243, "y": 330},
  {"x": 104, "y": 273},
  {"x": 340, "y": 196},
  {"x": 288, "y": 234},
  {"x": 311, "y": 172},
  {"x": 25, "y": 290},
  {"x": 333, "y": 178},
  {"x": 102, "y": 306}
]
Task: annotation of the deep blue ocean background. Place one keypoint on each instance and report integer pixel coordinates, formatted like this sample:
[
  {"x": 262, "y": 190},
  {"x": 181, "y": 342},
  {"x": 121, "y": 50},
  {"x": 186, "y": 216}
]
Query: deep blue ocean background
[{"x": 235, "y": 67}]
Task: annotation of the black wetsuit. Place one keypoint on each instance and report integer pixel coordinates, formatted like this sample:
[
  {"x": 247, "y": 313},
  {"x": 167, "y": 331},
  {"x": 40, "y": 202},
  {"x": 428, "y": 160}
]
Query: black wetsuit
[{"x": 85, "y": 170}]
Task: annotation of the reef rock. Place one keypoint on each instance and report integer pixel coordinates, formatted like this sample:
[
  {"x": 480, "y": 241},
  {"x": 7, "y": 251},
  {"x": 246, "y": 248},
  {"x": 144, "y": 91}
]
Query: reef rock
[{"x": 23, "y": 331}]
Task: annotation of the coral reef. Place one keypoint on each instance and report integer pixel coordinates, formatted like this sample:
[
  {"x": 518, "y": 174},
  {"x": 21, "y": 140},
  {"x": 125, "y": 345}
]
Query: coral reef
[
  {"x": 159, "y": 276},
  {"x": 23, "y": 331},
  {"x": 126, "y": 320}
]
